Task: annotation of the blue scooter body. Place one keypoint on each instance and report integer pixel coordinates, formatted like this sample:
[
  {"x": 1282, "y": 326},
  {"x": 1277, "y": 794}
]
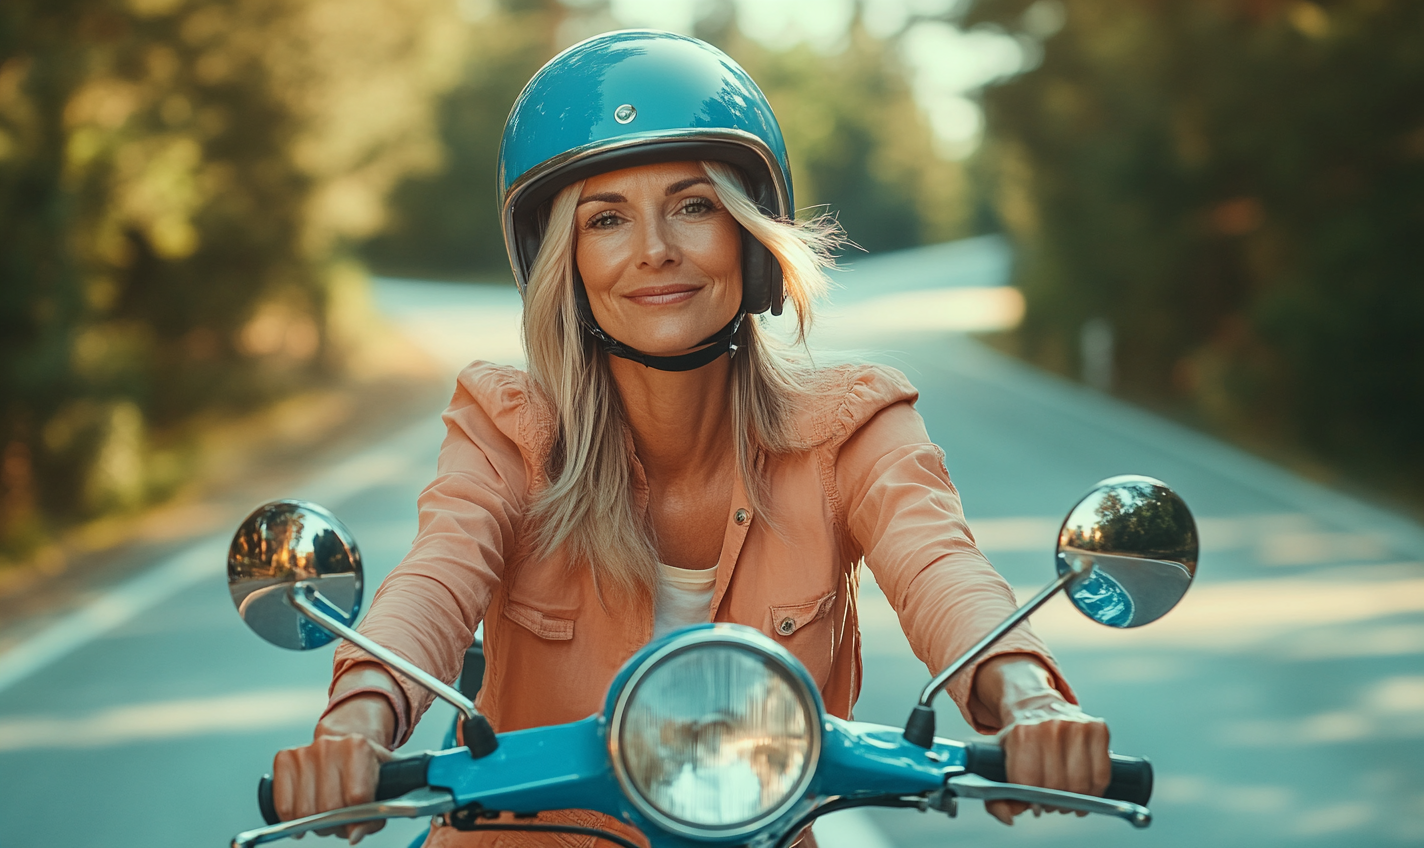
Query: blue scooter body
[{"x": 568, "y": 766}]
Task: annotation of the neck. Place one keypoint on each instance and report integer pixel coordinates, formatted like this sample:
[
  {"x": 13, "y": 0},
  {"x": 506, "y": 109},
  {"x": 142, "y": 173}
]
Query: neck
[{"x": 681, "y": 421}]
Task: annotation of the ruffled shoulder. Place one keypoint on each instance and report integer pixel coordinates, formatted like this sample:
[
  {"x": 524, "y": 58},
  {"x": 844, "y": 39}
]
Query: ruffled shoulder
[
  {"x": 841, "y": 399},
  {"x": 510, "y": 399}
]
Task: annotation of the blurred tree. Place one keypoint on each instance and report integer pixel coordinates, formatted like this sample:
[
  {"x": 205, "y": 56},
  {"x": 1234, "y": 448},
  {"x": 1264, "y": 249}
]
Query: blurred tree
[
  {"x": 446, "y": 223},
  {"x": 1239, "y": 189},
  {"x": 175, "y": 179},
  {"x": 858, "y": 143}
]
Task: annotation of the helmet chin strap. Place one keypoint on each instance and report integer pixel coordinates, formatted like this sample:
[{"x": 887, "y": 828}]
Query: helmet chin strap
[{"x": 716, "y": 344}]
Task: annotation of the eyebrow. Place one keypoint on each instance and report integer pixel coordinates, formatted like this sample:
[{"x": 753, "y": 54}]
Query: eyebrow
[
  {"x": 603, "y": 197},
  {"x": 683, "y": 185}
]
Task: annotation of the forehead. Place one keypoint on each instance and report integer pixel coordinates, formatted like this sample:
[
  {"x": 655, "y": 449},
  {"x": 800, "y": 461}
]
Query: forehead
[{"x": 654, "y": 177}]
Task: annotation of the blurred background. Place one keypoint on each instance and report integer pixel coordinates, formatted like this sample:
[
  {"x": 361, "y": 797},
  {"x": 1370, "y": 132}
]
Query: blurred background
[{"x": 245, "y": 245}]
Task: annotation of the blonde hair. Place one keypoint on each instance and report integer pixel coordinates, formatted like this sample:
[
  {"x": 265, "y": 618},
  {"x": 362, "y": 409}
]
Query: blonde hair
[{"x": 588, "y": 506}]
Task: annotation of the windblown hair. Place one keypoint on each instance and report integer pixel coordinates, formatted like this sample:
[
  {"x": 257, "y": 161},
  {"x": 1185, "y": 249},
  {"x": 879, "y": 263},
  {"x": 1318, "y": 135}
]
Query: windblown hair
[{"x": 588, "y": 507}]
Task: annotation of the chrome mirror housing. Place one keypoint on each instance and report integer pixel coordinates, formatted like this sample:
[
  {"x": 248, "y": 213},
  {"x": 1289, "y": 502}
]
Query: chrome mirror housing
[
  {"x": 279, "y": 545},
  {"x": 1127, "y": 552},
  {"x": 1134, "y": 541},
  {"x": 295, "y": 575}
]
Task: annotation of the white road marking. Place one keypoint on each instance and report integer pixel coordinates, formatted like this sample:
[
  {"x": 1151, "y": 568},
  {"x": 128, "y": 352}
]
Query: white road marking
[
  {"x": 1339, "y": 612},
  {"x": 239, "y": 713},
  {"x": 203, "y": 561},
  {"x": 1245, "y": 615},
  {"x": 1015, "y": 533},
  {"x": 1285, "y": 539},
  {"x": 972, "y": 309},
  {"x": 112, "y": 609}
]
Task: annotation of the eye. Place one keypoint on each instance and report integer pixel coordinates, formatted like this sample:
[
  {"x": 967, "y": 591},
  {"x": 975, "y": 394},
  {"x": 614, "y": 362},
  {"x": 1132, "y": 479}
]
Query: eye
[
  {"x": 605, "y": 220},
  {"x": 697, "y": 206}
]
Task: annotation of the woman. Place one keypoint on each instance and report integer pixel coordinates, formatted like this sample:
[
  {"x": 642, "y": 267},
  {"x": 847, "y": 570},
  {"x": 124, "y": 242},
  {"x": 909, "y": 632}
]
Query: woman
[{"x": 663, "y": 462}]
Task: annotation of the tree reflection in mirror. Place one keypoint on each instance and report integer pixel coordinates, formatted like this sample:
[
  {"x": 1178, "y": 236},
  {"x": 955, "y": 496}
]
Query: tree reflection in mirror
[
  {"x": 1141, "y": 541},
  {"x": 284, "y": 542}
]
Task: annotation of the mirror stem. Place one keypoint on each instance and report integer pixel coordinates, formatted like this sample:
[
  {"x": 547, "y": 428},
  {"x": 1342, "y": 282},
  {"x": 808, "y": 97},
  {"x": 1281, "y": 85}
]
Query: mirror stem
[
  {"x": 479, "y": 735},
  {"x": 920, "y": 728}
]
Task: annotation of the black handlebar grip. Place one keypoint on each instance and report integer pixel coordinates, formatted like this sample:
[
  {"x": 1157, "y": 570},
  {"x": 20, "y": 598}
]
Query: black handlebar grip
[
  {"x": 1131, "y": 776},
  {"x": 397, "y": 778},
  {"x": 264, "y": 800},
  {"x": 401, "y": 776}
]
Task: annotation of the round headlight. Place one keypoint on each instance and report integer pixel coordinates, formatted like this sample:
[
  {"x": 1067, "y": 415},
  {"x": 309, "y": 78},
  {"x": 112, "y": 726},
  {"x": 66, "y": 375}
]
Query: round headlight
[{"x": 715, "y": 735}]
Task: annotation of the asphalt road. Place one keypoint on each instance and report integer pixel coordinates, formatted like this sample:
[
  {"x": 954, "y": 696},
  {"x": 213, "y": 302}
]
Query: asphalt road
[{"x": 1282, "y": 702}]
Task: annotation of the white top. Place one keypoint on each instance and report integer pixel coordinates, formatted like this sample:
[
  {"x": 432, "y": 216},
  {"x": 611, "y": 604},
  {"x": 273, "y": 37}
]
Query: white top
[{"x": 684, "y": 597}]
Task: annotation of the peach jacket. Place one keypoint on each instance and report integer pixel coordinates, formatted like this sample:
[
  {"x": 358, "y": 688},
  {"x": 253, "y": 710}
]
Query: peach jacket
[{"x": 862, "y": 482}]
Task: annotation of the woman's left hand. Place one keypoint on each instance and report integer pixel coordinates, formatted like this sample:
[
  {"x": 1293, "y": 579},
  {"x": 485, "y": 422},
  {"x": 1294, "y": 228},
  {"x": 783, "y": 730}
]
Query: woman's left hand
[
  {"x": 1047, "y": 740},
  {"x": 1053, "y": 744}
]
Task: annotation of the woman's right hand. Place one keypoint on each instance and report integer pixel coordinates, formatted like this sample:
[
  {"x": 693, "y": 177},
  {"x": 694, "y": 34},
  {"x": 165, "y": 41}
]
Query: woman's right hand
[{"x": 341, "y": 767}]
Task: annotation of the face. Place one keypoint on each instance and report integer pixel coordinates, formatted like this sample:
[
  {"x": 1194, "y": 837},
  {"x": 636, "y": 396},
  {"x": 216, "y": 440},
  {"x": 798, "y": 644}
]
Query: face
[{"x": 660, "y": 256}]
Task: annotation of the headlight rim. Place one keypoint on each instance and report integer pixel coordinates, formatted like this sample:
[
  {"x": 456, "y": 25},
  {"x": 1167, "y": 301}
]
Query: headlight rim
[{"x": 743, "y": 638}]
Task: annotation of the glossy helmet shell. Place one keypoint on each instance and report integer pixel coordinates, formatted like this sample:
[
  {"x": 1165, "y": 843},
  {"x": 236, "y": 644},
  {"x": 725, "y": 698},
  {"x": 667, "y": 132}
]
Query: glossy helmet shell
[{"x": 638, "y": 97}]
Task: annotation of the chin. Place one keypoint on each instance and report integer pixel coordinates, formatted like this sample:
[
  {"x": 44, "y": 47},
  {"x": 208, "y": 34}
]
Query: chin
[
  {"x": 670, "y": 343},
  {"x": 669, "y": 348}
]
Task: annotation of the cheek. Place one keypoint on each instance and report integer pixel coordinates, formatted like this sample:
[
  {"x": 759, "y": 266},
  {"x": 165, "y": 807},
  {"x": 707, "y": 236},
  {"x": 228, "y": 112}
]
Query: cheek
[
  {"x": 597, "y": 263},
  {"x": 718, "y": 252}
]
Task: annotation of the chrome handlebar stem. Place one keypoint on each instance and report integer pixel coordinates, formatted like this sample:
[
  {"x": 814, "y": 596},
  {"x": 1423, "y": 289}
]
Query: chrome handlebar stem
[
  {"x": 1078, "y": 569},
  {"x": 414, "y": 804},
  {"x": 310, "y": 603}
]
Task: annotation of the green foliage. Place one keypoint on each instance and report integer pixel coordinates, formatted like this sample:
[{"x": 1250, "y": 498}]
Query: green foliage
[
  {"x": 446, "y": 223},
  {"x": 859, "y": 145},
  {"x": 181, "y": 179},
  {"x": 1239, "y": 189},
  {"x": 175, "y": 177}
]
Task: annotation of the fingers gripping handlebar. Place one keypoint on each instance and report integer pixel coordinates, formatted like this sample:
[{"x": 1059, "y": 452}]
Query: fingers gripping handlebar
[
  {"x": 1131, "y": 776},
  {"x": 986, "y": 779},
  {"x": 397, "y": 778}
]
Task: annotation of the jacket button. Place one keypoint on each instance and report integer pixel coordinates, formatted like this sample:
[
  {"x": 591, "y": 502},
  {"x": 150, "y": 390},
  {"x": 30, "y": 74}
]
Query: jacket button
[
  {"x": 742, "y": 515},
  {"x": 787, "y": 627}
]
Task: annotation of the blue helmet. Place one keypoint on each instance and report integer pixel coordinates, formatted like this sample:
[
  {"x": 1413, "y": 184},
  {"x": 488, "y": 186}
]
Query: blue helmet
[{"x": 638, "y": 97}]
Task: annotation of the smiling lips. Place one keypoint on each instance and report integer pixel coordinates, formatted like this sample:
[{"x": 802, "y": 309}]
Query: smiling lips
[{"x": 662, "y": 295}]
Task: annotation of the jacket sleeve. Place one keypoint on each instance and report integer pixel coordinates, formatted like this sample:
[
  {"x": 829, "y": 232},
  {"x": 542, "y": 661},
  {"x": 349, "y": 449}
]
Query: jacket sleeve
[
  {"x": 904, "y": 514},
  {"x": 427, "y": 609}
]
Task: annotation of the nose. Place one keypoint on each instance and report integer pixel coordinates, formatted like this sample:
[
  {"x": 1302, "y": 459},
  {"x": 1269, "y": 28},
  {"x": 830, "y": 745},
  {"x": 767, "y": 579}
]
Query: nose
[{"x": 657, "y": 248}]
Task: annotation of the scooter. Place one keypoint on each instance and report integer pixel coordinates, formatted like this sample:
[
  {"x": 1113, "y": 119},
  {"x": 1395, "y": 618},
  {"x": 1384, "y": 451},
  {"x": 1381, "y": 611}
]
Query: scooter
[{"x": 715, "y": 735}]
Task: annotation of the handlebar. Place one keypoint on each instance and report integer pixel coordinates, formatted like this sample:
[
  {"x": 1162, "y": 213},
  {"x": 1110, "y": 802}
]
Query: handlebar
[
  {"x": 1131, "y": 776},
  {"x": 396, "y": 779}
]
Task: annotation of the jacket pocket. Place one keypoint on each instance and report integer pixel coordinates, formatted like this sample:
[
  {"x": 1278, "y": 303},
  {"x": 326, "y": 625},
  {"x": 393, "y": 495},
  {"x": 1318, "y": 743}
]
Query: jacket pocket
[
  {"x": 541, "y": 624},
  {"x": 789, "y": 618}
]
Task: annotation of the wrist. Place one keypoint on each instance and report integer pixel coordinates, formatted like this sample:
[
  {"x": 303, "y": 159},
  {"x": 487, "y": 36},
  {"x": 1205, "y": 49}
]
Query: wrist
[
  {"x": 1038, "y": 710},
  {"x": 1036, "y": 702},
  {"x": 361, "y": 713},
  {"x": 366, "y": 701},
  {"x": 1017, "y": 684}
]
